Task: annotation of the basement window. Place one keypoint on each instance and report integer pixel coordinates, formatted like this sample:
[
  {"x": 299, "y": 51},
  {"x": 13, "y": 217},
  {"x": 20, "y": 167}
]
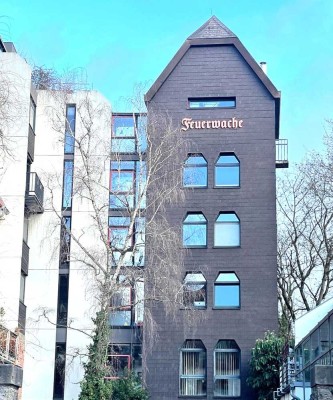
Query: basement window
[{"x": 212, "y": 102}]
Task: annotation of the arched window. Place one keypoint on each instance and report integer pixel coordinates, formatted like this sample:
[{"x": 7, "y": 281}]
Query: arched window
[
  {"x": 226, "y": 369},
  {"x": 195, "y": 290},
  {"x": 227, "y": 230},
  {"x": 195, "y": 230},
  {"x": 195, "y": 171},
  {"x": 226, "y": 290},
  {"x": 192, "y": 374},
  {"x": 227, "y": 170}
]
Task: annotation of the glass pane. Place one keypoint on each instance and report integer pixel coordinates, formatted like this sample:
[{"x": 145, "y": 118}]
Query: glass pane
[
  {"x": 195, "y": 218},
  {"x": 120, "y": 318},
  {"x": 63, "y": 299},
  {"x": 122, "y": 145},
  {"x": 118, "y": 365},
  {"x": 142, "y": 133},
  {"x": 193, "y": 363},
  {"x": 68, "y": 184},
  {"x": 121, "y": 201},
  {"x": 122, "y": 165},
  {"x": 227, "y": 277},
  {"x": 227, "y": 159},
  {"x": 306, "y": 352},
  {"x": 123, "y": 126},
  {"x": 139, "y": 302},
  {"x": 122, "y": 181},
  {"x": 141, "y": 177},
  {"x": 331, "y": 330},
  {"x": 195, "y": 176},
  {"x": 22, "y": 287},
  {"x": 212, "y": 103},
  {"x": 32, "y": 115},
  {"x": 227, "y": 217},
  {"x": 197, "y": 159},
  {"x": 315, "y": 344},
  {"x": 70, "y": 130},
  {"x": 226, "y": 176},
  {"x": 226, "y": 296},
  {"x": 227, "y": 387},
  {"x": 194, "y": 235},
  {"x": 227, "y": 234},
  {"x": 119, "y": 221},
  {"x": 194, "y": 278},
  {"x": 118, "y": 237},
  {"x": 192, "y": 386},
  {"x": 324, "y": 337}
]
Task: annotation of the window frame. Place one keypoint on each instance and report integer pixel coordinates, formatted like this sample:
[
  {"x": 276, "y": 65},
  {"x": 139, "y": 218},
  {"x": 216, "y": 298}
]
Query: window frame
[
  {"x": 193, "y": 283},
  {"x": 205, "y": 223},
  {"x": 238, "y": 223},
  {"x": 68, "y": 183},
  {"x": 227, "y": 376},
  {"x": 230, "y": 283},
  {"x": 192, "y": 166},
  {"x": 212, "y": 100},
  {"x": 117, "y": 138},
  {"x": 203, "y": 377},
  {"x": 113, "y": 192},
  {"x": 226, "y": 165},
  {"x": 122, "y": 308},
  {"x": 70, "y": 129}
]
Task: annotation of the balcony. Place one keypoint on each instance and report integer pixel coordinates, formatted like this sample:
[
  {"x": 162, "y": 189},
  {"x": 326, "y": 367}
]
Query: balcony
[
  {"x": 281, "y": 160},
  {"x": 8, "y": 346},
  {"x": 34, "y": 196}
]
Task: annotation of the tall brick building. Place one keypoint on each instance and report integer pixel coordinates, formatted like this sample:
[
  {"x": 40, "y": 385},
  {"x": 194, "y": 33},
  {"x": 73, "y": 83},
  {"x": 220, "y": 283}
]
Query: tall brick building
[{"x": 223, "y": 101}]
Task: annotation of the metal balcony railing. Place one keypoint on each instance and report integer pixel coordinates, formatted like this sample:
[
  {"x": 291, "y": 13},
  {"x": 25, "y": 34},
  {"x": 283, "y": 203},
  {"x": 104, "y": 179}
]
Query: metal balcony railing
[
  {"x": 35, "y": 194},
  {"x": 281, "y": 160},
  {"x": 8, "y": 346}
]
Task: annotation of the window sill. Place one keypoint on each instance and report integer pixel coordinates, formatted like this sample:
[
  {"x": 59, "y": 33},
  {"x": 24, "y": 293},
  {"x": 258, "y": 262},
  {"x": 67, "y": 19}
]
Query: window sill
[
  {"x": 226, "y": 308},
  {"x": 195, "y": 247},
  {"x": 193, "y": 308},
  {"x": 195, "y": 187},
  {"x": 227, "y": 247},
  {"x": 226, "y": 187}
]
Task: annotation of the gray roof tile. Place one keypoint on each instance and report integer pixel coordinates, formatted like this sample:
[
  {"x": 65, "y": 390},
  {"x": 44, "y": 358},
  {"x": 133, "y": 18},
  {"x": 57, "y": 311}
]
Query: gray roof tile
[{"x": 213, "y": 29}]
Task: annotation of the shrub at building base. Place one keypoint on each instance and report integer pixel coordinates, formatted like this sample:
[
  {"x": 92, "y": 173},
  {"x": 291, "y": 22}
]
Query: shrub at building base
[
  {"x": 94, "y": 386},
  {"x": 265, "y": 364},
  {"x": 128, "y": 388}
]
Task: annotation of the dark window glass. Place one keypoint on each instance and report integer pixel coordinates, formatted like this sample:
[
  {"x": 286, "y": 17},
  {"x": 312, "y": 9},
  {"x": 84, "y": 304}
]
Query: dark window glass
[
  {"x": 195, "y": 171},
  {"x": 194, "y": 290},
  {"x": 324, "y": 337},
  {"x": 226, "y": 369},
  {"x": 59, "y": 370},
  {"x": 135, "y": 256},
  {"x": 195, "y": 230},
  {"x": 214, "y": 102},
  {"x": 227, "y": 230},
  {"x": 65, "y": 242},
  {"x": 314, "y": 344},
  {"x": 70, "y": 129},
  {"x": 121, "y": 307},
  {"x": 32, "y": 115},
  {"x": 123, "y": 134},
  {"x": 137, "y": 359},
  {"x": 119, "y": 360},
  {"x": 226, "y": 290},
  {"x": 68, "y": 184},
  {"x": 62, "y": 299},
  {"x": 306, "y": 352},
  {"x": 192, "y": 376},
  {"x": 22, "y": 287},
  {"x": 227, "y": 171}
]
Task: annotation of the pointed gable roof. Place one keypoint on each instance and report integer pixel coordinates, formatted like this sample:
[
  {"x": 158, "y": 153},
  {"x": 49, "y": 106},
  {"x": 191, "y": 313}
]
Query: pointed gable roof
[
  {"x": 214, "y": 33},
  {"x": 213, "y": 28}
]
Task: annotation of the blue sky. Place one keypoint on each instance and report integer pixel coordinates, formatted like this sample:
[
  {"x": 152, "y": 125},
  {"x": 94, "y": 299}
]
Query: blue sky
[{"x": 121, "y": 43}]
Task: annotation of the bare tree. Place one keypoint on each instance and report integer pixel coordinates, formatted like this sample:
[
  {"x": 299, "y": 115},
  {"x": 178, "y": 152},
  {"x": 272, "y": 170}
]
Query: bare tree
[
  {"x": 113, "y": 261},
  {"x": 305, "y": 233}
]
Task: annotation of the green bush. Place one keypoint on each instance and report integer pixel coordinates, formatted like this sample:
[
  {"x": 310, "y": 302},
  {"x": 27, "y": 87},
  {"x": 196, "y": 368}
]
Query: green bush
[
  {"x": 264, "y": 365},
  {"x": 128, "y": 388}
]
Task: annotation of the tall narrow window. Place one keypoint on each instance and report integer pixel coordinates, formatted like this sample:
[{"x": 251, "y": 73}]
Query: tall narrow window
[
  {"x": 65, "y": 242},
  {"x": 119, "y": 234},
  {"x": 62, "y": 299},
  {"x": 195, "y": 290},
  {"x": 123, "y": 134},
  {"x": 195, "y": 230},
  {"x": 227, "y": 230},
  {"x": 59, "y": 370},
  {"x": 226, "y": 291},
  {"x": 192, "y": 369},
  {"x": 32, "y": 115},
  {"x": 226, "y": 369},
  {"x": 119, "y": 360},
  {"x": 142, "y": 133},
  {"x": 122, "y": 184},
  {"x": 121, "y": 306},
  {"x": 227, "y": 170},
  {"x": 195, "y": 171},
  {"x": 68, "y": 184},
  {"x": 70, "y": 129},
  {"x": 22, "y": 287}
]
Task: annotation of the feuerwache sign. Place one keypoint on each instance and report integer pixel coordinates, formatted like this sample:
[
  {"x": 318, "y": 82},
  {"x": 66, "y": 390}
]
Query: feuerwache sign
[{"x": 232, "y": 123}]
